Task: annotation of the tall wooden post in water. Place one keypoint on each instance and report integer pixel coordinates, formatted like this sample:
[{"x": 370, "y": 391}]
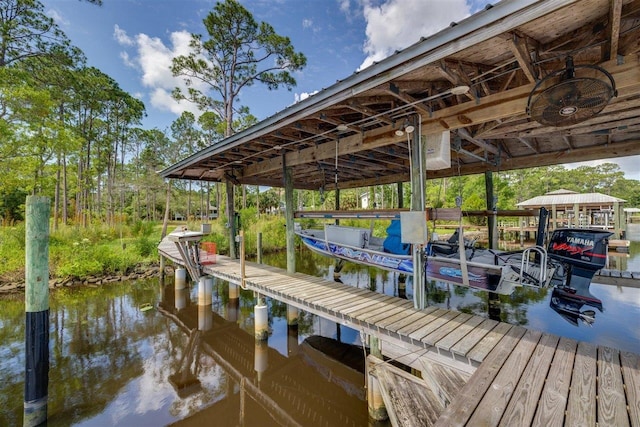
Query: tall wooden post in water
[{"x": 36, "y": 382}]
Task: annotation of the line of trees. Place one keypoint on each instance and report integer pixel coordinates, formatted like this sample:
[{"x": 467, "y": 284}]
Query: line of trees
[{"x": 69, "y": 131}]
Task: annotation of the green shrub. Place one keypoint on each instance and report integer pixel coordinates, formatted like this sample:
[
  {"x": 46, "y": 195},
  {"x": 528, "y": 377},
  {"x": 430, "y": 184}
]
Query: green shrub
[
  {"x": 145, "y": 246},
  {"x": 142, "y": 228}
]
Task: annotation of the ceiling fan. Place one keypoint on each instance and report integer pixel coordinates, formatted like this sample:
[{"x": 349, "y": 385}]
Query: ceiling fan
[{"x": 571, "y": 99}]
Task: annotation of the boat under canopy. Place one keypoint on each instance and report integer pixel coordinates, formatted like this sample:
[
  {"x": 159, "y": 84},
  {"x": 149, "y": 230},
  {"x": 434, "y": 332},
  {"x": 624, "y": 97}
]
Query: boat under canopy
[
  {"x": 494, "y": 271},
  {"x": 569, "y": 262}
]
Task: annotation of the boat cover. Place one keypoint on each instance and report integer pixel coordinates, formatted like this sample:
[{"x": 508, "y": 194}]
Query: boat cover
[{"x": 393, "y": 243}]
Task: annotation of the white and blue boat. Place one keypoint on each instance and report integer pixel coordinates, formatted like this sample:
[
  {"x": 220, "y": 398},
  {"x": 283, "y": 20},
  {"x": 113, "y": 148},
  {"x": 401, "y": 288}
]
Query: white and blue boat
[{"x": 576, "y": 251}]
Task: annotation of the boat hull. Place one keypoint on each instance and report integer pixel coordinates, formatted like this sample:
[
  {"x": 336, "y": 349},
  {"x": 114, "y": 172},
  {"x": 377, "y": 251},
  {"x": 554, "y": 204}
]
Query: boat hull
[
  {"x": 391, "y": 262},
  {"x": 480, "y": 276}
]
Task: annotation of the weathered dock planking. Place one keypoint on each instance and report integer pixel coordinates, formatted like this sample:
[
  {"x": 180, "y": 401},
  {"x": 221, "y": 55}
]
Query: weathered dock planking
[
  {"x": 543, "y": 380},
  {"x": 476, "y": 371}
]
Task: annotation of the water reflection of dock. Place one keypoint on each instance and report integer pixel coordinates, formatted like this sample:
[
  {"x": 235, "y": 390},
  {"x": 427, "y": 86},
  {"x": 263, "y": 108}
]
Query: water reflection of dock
[{"x": 281, "y": 392}]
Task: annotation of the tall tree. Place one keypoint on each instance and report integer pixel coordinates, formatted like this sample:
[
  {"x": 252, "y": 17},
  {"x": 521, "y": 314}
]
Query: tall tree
[
  {"x": 238, "y": 53},
  {"x": 188, "y": 140},
  {"x": 26, "y": 31}
]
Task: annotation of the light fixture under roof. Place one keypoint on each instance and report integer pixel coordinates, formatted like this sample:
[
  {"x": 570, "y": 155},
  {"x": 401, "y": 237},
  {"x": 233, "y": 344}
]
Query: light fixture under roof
[
  {"x": 277, "y": 147},
  {"x": 405, "y": 128},
  {"x": 238, "y": 162},
  {"x": 459, "y": 90},
  {"x": 342, "y": 127}
]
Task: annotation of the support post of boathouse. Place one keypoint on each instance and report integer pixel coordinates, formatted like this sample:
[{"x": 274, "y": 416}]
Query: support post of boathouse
[
  {"x": 417, "y": 204},
  {"x": 492, "y": 210},
  {"x": 231, "y": 218},
  {"x": 288, "y": 215}
]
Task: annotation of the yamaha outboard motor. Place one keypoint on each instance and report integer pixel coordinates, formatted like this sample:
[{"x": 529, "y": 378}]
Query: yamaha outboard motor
[{"x": 582, "y": 252}]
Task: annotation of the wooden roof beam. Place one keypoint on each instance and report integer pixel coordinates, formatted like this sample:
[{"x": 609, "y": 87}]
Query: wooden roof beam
[
  {"x": 368, "y": 112},
  {"x": 455, "y": 77},
  {"x": 395, "y": 91},
  {"x": 514, "y": 101},
  {"x": 480, "y": 143},
  {"x": 351, "y": 144},
  {"x": 617, "y": 107},
  {"x": 620, "y": 149},
  {"x": 336, "y": 123},
  {"x": 528, "y": 144},
  {"x": 610, "y": 49},
  {"x": 520, "y": 49}
]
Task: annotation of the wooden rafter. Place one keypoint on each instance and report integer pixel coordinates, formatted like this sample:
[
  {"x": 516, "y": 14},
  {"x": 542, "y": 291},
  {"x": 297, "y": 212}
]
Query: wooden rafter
[
  {"x": 395, "y": 91},
  {"x": 610, "y": 48},
  {"x": 518, "y": 46},
  {"x": 368, "y": 112}
]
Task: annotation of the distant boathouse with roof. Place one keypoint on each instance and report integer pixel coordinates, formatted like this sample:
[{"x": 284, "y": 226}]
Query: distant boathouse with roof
[{"x": 587, "y": 210}]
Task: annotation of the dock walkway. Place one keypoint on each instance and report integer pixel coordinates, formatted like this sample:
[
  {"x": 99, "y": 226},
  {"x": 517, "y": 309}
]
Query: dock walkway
[{"x": 517, "y": 376}]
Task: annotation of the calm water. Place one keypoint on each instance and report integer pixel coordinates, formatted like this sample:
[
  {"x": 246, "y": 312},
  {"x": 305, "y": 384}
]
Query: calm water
[{"x": 113, "y": 363}]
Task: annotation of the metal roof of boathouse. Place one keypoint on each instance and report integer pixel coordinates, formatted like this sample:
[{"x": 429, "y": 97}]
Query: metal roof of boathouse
[
  {"x": 570, "y": 198},
  {"x": 500, "y": 53}
]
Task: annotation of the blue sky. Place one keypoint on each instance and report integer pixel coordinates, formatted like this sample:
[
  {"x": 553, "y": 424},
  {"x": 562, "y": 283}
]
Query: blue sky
[{"x": 133, "y": 41}]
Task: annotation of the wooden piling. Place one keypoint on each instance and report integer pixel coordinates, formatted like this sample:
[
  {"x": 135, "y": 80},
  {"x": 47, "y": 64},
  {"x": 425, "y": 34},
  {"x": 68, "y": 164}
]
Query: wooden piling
[
  {"x": 180, "y": 278},
  {"x": 292, "y": 316},
  {"x": 261, "y": 320},
  {"x": 375, "y": 402},
  {"x": 36, "y": 383}
]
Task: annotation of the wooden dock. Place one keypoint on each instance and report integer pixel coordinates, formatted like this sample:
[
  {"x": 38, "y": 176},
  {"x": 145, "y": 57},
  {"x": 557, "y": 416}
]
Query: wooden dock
[{"x": 516, "y": 376}]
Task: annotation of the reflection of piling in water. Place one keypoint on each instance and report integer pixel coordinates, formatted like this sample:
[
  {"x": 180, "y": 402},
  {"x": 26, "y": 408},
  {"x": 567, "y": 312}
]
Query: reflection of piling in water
[
  {"x": 292, "y": 341},
  {"x": 292, "y": 330},
  {"x": 493, "y": 308},
  {"x": 402, "y": 286},
  {"x": 261, "y": 358},
  {"x": 233, "y": 307},
  {"x": 205, "y": 317},
  {"x": 181, "y": 298},
  {"x": 234, "y": 303}
]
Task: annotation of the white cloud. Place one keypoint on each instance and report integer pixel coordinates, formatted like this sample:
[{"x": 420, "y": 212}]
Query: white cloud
[
  {"x": 345, "y": 6},
  {"x": 307, "y": 23},
  {"x": 302, "y": 96},
  {"x": 121, "y": 36},
  {"x": 127, "y": 60},
  {"x": 57, "y": 17},
  {"x": 153, "y": 58},
  {"x": 397, "y": 24}
]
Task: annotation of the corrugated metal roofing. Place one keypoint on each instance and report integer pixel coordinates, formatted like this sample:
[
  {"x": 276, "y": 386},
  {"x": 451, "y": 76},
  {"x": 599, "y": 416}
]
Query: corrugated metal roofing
[{"x": 569, "y": 199}]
